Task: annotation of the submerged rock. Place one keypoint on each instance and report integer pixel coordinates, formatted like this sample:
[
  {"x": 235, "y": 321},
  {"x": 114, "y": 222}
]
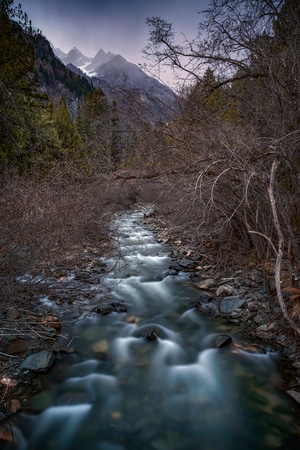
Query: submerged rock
[
  {"x": 150, "y": 335},
  {"x": 132, "y": 319},
  {"x": 119, "y": 307}
]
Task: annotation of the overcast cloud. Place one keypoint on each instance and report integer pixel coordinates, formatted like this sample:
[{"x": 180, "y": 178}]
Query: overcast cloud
[{"x": 113, "y": 25}]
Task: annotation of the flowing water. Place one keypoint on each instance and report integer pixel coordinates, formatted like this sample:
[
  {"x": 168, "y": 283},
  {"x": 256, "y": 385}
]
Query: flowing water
[{"x": 118, "y": 390}]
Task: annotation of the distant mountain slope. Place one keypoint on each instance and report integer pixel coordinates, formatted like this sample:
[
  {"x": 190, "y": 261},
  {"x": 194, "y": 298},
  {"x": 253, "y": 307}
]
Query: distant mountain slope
[
  {"x": 75, "y": 57},
  {"x": 101, "y": 58},
  {"x": 124, "y": 82},
  {"x": 83, "y": 62},
  {"x": 119, "y": 72},
  {"x": 56, "y": 79}
]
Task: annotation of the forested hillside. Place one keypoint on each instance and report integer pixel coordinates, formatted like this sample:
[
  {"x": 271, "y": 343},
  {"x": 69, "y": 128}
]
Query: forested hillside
[{"x": 227, "y": 163}]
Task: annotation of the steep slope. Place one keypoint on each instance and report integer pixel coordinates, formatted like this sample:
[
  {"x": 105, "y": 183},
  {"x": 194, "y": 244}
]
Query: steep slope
[
  {"x": 56, "y": 79},
  {"x": 76, "y": 58},
  {"x": 83, "y": 62},
  {"x": 101, "y": 58},
  {"x": 126, "y": 84}
]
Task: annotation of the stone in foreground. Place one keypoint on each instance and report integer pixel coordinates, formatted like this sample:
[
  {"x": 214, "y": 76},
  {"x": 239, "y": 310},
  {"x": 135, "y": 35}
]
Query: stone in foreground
[{"x": 38, "y": 362}]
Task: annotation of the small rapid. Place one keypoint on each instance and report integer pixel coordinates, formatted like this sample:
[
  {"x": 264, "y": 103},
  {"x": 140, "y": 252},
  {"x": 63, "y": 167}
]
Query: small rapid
[{"x": 149, "y": 378}]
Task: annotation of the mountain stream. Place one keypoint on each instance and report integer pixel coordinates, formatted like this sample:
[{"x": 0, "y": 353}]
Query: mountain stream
[{"x": 120, "y": 389}]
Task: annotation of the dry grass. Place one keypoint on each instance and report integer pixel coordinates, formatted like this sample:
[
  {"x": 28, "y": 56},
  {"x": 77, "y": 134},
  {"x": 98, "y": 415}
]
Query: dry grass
[{"x": 51, "y": 222}]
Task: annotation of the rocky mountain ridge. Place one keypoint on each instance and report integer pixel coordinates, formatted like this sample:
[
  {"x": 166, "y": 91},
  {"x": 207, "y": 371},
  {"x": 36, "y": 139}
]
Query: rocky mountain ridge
[{"x": 115, "y": 75}]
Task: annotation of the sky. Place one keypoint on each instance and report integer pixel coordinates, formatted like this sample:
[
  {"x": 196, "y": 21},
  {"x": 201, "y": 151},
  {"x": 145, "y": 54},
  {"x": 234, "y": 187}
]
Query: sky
[{"x": 118, "y": 26}]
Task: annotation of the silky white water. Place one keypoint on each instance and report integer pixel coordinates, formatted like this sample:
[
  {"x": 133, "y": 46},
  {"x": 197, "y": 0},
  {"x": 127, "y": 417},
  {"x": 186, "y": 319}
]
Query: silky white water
[{"x": 119, "y": 391}]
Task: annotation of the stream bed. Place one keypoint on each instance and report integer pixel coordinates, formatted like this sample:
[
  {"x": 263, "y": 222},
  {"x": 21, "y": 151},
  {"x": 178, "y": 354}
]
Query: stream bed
[{"x": 150, "y": 378}]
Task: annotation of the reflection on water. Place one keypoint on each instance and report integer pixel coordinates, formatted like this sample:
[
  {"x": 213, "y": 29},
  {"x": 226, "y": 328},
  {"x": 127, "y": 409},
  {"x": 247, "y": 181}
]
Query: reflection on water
[{"x": 119, "y": 390}]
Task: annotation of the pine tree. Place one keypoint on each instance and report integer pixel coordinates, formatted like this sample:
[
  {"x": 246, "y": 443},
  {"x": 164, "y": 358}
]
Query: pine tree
[
  {"x": 22, "y": 132},
  {"x": 115, "y": 137},
  {"x": 67, "y": 130},
  {"x": 93, "y": 123}
]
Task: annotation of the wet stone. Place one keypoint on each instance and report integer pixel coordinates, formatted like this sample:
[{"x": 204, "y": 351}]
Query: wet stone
[
  {"x": 230, "y": 304},
  {"x": 225, "y": 290},
  {"x": 187, "y": 263},
  {"x": 12, "y": 406},
  {"x": 38, "y": 362},
  {"x": 150, "y": 335},
  {"x": 119, "y": 307},
  {"x": 252, "y": 306},
  {"x": 51, "y": 322},
  {"x": 222, "y": 340},
  {"x": 207, "y": 284},
  {"x": 132, "y": 319},
  {"x": 295, "y": 395},
  {"x": 104, "y": 310},
  {"x": 249, "y": 348},
  {"x": 203, "y": 298},
  {"x": 171, "y": 272},
  {"x": 264, "y": 335}
]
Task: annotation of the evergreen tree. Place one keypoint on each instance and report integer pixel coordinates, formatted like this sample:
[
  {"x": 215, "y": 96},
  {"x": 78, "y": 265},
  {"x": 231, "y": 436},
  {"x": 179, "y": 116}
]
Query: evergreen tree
[
  {"x": 66, "y": 129},
  {"x": 93, "y": 123},
  {"x": 115, "y": 137},
  {"x": 16, "y": 82},
  {"x": 25, "y": 138}
]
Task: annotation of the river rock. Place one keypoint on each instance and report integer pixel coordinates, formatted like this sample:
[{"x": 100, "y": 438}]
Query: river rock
[
  {"x": 119, "y": 307},
  {"x": 266, "y": 332},
  {"x": 225, "y": 290},
  {"x": 204, "y": 298},
  {"x": 208, "y": 284},
  {"x": 230, "y": 304},
  {"x": 8, "y": 382},
  {"x": 222, "y": 340},
  {"x": 252, "y": 306},
  {"x": 12, "y": 406},
  {"x": 249, "y": 348},
  {"x": 132, "y": 319},
  {"x": 38, "y": 362},
  {"x": 150, "y": 335},
  {"x": 52, "y": 322},
  {"x": 104, "y": 310},
  {"x": 295, "y": 395},
  {"x": 109, "y": 308},
  {"x": 6, "y": 434},
  {"x": 187, "y": 263}
]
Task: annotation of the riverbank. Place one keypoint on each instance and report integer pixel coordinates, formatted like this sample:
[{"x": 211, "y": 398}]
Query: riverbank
[{"x": 244, "y": 295}]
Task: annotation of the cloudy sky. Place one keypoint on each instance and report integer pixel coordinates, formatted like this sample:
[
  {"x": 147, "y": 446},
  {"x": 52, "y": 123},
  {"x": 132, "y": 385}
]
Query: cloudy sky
[{"x": 113, "y": 25}]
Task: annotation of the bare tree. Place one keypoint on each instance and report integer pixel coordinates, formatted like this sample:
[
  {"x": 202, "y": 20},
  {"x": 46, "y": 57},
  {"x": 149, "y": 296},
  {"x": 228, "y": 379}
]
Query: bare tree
[{"x": 244, "y": 126}]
